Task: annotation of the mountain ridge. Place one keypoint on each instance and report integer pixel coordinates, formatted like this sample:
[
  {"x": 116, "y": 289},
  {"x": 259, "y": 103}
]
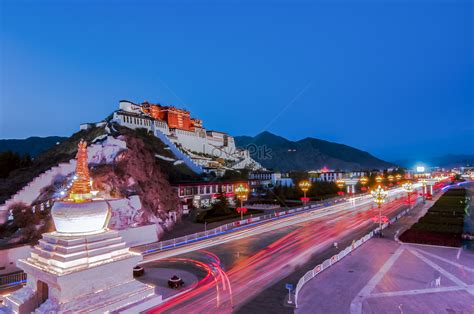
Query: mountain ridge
[
  {"x": 33, "y": 145},
  {"x": 276, "y": 152}
]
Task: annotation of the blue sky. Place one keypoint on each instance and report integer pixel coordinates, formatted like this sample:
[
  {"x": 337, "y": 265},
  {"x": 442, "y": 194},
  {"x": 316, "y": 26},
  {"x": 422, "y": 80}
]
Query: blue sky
[{"x": 394, "y": 78}]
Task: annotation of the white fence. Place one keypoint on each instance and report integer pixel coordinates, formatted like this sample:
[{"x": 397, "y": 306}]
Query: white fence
[
  {"x": 12, "y": 279},
  {"x": 335, "y": 258}
]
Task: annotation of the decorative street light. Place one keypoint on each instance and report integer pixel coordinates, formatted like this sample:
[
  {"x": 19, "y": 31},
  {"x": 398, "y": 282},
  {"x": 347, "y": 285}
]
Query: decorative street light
[
  {"x": 423, "y": 184},
  {"x": 408, "y": 187},
  {"x": 304, "y": 185},
  {"x": 242, "y": 192},
  {"x": 340, "y": 183},
  {"x": 378, "y": 179},
  {"x": 398, "y": 177},
  {"x": 379, "y": 195},
  {"x": 363, "y": 181},
  {"x": 390, "y": 178}
]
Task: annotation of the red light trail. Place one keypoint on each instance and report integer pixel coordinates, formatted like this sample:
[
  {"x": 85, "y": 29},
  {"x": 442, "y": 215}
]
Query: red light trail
[{"x": 220, "y": 291}]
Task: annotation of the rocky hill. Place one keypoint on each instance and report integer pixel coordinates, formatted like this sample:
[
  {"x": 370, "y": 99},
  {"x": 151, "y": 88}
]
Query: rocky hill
[
  {"x": 132, "y": 165},
  {"x": 276, "y": 152}
]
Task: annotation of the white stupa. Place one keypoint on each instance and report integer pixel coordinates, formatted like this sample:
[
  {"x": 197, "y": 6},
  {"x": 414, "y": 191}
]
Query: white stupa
[{"x": 82, "y": 266}]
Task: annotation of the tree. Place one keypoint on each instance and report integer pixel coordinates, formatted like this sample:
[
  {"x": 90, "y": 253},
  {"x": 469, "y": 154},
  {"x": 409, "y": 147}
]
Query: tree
[
  {"x": 23, "y": 216},
  {"x": 221, "y": 206},
  {"x": 10, "y": 161}
]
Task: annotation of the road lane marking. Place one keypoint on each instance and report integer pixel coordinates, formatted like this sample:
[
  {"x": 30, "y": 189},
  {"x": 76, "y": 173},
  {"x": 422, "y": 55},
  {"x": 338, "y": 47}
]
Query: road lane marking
[
  {"x": 446, "y": 260},
  {"x": 444, "y": 272},
  {"x": 356, "y": 304}
]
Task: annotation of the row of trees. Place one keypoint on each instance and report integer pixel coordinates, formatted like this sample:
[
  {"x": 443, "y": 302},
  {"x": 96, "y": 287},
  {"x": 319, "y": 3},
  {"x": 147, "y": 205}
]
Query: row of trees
[
  {"x": 318, "y": 190},
  {"x": 27, "y": 224}
]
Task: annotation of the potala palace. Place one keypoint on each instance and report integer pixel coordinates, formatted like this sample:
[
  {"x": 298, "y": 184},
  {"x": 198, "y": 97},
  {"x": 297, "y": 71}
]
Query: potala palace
[{"x": 207, "y": 150}]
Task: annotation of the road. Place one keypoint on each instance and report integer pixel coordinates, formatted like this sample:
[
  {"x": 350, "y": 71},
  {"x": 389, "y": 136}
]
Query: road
[{"x": 241, "y": 265}]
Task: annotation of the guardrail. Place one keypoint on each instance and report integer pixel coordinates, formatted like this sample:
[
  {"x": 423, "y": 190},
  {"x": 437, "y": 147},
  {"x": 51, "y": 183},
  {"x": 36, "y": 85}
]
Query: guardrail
[
  {"x": 335, "y": 258},
  {"x": 12, "y": 279}
]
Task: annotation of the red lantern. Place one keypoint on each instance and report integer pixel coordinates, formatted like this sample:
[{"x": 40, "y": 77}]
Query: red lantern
[
  {"x": 340, "y": 193},
  {"x": 241, "y": 210},
  {"x": 376, "y": 219},
  {"x": 305, "y": 199},
  {"x": 363, "y": 188}
]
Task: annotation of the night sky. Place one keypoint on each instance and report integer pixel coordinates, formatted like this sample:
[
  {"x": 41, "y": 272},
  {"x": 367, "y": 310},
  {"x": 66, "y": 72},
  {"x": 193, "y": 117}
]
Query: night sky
[{"x": 394, "y": 78}]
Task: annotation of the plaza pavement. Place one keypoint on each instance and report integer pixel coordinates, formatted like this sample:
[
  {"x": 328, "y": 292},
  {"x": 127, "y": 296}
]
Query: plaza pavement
[
  {"x": 387, "y": 276},
  {"x": 159, "y": 278}
]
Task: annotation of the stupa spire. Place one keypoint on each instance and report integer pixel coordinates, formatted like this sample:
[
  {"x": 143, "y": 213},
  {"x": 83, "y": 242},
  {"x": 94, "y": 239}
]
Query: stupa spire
[{"x": 81, "y": 187}]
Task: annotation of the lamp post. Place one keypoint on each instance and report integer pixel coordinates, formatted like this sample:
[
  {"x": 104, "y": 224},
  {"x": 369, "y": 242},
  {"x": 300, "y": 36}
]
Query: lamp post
[
  {"x": 378, "y": 179},
  {"x": 304, "y": 185},
  {"x": 242, "y": 192},
  {"x": 379, "y": 195},
  {"x": 363, "y": 181},
  {"x": 423, "y": 184},
  {"x": 390, "y": 179},
  {"x": 408, "y": 187},
  {"x": 398, "y": 177}
]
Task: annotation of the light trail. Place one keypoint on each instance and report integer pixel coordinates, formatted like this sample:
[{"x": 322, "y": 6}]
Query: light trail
[
  {"x": 249, "y": 277},
  {"x": 355, "y": 204}
]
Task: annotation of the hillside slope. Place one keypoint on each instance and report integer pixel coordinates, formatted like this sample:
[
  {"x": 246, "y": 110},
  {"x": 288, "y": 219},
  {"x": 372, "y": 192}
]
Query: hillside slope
[
  {"x": 278, "y": 153},
  {"x": 131, "y": 168}
]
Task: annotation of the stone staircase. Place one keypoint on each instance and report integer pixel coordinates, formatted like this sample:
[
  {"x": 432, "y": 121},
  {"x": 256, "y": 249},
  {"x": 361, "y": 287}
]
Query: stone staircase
[
  {"x": 31, "y": 191},
  {"x": 178, "y": 152}
]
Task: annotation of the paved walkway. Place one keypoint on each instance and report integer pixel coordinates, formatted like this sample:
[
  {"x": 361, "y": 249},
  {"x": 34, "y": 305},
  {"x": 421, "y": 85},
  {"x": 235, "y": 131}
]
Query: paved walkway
[{"x": 386, "y": 276}]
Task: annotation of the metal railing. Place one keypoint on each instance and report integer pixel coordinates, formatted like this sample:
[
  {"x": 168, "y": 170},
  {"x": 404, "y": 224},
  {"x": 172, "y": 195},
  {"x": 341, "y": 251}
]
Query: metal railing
[{"x": 12, "y": 279}]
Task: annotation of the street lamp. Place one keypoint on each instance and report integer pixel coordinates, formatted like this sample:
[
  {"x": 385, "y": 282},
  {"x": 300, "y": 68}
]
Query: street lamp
[
  {"x": 423, "y": 184},
  {"x": 378, "y": 179},
  {"x": 379, "y": 195},
  {"x": 408, "y": 187},
  {"x": 304, "y": 185},
  {"x": 242, "y": 192},
  {"x": 363, "y": 181},
  {"x": 398, "y": 177}
]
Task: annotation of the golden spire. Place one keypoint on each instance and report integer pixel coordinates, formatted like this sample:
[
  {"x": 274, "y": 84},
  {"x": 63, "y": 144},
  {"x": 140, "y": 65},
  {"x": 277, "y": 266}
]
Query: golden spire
[{"x": 81, "y": 187}]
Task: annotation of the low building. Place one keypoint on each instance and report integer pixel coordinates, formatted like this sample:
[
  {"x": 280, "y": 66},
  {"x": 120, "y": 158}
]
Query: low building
[
  {"x": 265, "y": 179},
  {"x": 326, "y": 175},
  {"x": 201, "y": 194}
]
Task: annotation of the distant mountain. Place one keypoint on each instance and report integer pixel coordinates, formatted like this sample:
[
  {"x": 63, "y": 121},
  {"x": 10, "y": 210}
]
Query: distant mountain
[
  {"x": 447, "y": 161},
  {"x": 276, "y": 152},
  {"x": 32, "y": 145}
]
